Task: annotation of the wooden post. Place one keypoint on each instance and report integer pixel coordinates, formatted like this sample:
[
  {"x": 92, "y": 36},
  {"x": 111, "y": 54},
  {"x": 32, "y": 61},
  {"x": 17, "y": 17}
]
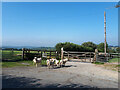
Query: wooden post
[
  {"x": 105, "y": 32},
  {"x": 90, "y": 57},
  {"x": 62, "y": 53},
  {"x": 12, "y": 50},
  {"x": 23, "y": 53},
  {"x": 28, "y": 50},
  {"x": 96, "y": 55},
  {"x": 68, "y": 55},
  {"x": 56, "y": 54},
  {"x": 50, "y": 54},
  {"x": 41, "y": 54},
  {"x": 85, "y": 57}
]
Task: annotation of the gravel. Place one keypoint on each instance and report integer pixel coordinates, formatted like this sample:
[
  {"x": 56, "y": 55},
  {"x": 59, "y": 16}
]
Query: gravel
[{"x": 73, "y": 75}]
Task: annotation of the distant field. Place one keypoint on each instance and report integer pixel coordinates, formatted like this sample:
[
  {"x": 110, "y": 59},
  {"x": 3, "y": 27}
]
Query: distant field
[{"x": 9, "y": 55}]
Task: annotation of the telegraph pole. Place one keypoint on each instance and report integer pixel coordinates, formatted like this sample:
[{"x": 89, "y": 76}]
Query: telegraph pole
[{"x": 105, "y": 32}]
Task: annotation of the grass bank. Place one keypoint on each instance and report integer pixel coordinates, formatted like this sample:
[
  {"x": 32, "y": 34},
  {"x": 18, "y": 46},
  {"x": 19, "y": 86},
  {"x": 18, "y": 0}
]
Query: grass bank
[{"x": 19, "y": 63}]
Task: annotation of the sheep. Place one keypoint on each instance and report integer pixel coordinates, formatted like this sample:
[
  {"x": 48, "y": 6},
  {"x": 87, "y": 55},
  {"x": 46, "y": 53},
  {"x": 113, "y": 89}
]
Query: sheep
[
  {"x": 50, "y": 63},
  {"x": 36, "y": 60},
  {"x": 57, "y": 62},
  {"x": 62, "y": 62}
]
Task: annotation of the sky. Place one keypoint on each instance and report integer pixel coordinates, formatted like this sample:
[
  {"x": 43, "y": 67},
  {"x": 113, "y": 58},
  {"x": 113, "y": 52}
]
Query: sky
[{"x": 48, "y": 23}]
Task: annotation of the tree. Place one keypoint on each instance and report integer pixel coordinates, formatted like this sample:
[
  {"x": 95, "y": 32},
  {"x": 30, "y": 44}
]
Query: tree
[
  {"x": 118, "y": 49},
  {"x": 59, "y": 46},
  {"x": 89, "y": 46},
  {"x": 100, "y": 47},
  {"x": 74, "y": 47},
  {"x": 111, "y": 51}
]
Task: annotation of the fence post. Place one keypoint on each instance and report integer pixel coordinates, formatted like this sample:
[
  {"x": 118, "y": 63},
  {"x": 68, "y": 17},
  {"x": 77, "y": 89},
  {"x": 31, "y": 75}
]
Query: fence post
[
  {"x": 38, "y": 51},
  {"x": 41, "y": 54},
  {"x": 23, "y": 53},
  {"x": 62, "y": 53},
  {"x": 28, "y": 50},
  {"x": 96, "y": 55},
  {"x": 90, "y": 57},
  {"x": 56, "y": 54},
  {"x": 50, "y": 54},
  {"x": 12, "y": 50},
  {"x": 68, "y": 55},
  {"x": 85, "y": 57}
]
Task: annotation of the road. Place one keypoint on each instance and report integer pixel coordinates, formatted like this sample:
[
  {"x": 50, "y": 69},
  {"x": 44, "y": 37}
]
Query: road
[{"x": 73, "y": 75}]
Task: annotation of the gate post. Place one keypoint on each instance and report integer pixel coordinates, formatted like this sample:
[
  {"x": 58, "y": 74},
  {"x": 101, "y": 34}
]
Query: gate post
[
  {"x": 23, "y": 53},
  {"x": 62, "y": 53},
  {"x": 50, "y": 54},
  {"x": 68, "y": 56},
  {"x": 90, "y": 56},
  {"x": 96, "y": 55},
  {"x": 56, "y": 54}
]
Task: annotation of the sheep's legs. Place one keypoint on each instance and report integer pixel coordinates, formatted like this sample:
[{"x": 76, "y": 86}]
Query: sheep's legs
[{"x": 36, "y": 64}]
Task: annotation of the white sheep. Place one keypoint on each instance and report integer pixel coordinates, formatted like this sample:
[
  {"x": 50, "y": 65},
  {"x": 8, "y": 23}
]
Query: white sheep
[
  {"x": 50, "y": 63},
  {"x": 36, "y": 61},
  {"x": 62, "y": 62},
  {"x": 57, "y": 63}
]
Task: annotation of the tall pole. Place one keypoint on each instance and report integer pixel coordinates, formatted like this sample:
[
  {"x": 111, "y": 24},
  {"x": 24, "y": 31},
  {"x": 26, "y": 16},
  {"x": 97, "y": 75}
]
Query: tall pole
[{"x": 105, "y": 31}]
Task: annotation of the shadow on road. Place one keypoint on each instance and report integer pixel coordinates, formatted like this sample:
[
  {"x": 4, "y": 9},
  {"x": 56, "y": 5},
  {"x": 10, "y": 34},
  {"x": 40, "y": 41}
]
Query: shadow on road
[{"x": 9, "y": 81}]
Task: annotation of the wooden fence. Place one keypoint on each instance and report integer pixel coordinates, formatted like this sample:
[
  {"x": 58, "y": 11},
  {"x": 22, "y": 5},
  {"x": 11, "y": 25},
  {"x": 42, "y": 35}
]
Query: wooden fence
[
  {"x": 40, "y": 53},
  {"x": 71, "y": 54}
]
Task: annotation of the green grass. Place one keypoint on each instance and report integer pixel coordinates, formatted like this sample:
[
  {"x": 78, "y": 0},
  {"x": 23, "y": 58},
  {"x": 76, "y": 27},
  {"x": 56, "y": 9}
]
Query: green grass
[
  {"x": 113, "y": 60},
  {"x": 19, "y": 63},
  {"x": 9, "y": 55},
  {"x": 14, "y": 64},
  {"x": 13, "y": 56},
  {"x": 117, "y": 65}
]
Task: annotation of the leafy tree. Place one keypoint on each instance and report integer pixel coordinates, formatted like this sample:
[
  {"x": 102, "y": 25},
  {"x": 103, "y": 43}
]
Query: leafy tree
[
  {"x": 90, "y": 46},
  {"x": 111, "y": 51},
  {"x": 100, "y": 47},
  {"x": 118, "y": 49},
  {"x": 72, "y": 47},
  {"x": 59, "y": 46}
]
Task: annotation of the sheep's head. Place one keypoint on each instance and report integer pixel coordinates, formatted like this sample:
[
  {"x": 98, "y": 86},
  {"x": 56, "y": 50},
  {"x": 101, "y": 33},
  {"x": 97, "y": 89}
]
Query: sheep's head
[{"x": 35, "y": 57}]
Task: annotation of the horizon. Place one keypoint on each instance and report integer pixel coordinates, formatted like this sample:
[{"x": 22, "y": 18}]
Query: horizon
[{"x": 46, "y": 24}]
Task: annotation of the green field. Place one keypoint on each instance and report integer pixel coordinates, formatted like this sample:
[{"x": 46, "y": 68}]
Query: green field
[
  {"x": 12, "y": 58},
  {"x": 19, "y": 63},
  {"x": 9, "y": 55}
]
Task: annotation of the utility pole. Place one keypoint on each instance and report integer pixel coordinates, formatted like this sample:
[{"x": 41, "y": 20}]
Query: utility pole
[{"x": 105, "y": 32}]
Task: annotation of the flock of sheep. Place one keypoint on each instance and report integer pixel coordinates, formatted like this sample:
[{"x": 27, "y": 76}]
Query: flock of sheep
[{"x": 50, "y": 62}]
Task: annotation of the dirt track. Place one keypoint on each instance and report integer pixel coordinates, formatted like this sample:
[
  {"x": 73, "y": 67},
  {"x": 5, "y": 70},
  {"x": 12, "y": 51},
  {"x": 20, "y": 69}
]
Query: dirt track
[{"x": 73, "y": 75}]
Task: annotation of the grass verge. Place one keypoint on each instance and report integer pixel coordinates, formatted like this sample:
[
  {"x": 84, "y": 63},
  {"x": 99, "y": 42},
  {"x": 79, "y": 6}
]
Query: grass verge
[
  {"x": 113, "y": 60},
  {"x": 19, "y": 63}
]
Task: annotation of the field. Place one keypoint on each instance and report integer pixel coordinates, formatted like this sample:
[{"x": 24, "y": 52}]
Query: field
[
  {"x": 9, "y": 55},
  {"x": 12, "y": 58}
]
